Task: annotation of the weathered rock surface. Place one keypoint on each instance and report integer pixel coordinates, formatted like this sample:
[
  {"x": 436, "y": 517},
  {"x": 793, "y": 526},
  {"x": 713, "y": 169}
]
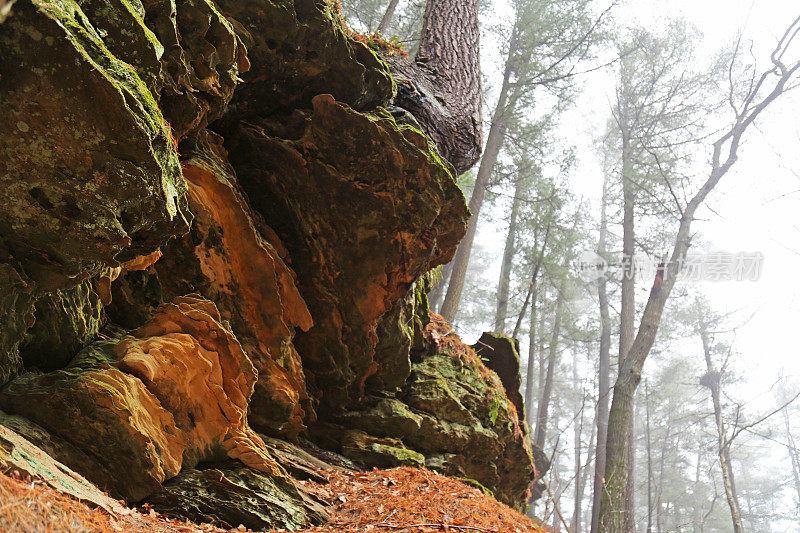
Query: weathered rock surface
[
  {"x": 501, "y": 355},
  {"x": 230, "y": 495},
  {"x": 21, "y": 456},
  {"x": 232, "y": 258},
  {"x": 88, "y": 173},
  {"x": 186, "y": 52},
  {"x": 297, "y": 50},
  {"x": 361, "y": 220},
  {"x": 170, "y": 396},
  {"x": 452, "y": 413}
]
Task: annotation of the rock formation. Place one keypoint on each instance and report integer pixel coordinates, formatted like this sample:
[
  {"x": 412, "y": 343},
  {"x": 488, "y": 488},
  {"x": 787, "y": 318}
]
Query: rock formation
[{"x": 215, "y": 231}]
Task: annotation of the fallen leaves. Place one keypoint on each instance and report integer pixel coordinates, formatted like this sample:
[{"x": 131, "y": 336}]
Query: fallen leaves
[{"x": 406, "y": 500}]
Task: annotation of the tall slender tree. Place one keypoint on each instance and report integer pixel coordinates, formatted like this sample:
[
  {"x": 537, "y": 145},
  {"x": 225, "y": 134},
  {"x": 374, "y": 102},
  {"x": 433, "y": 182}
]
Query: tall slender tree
[
  {"x": 748, "y": 100},
  {"x": 546, "y": 43}
]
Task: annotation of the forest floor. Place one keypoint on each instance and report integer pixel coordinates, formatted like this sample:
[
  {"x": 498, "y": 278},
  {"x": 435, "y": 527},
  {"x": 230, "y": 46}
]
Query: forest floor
[{"x": 399, "y": 500}]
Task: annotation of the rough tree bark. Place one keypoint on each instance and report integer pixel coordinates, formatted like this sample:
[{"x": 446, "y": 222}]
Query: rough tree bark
[
  {"x": 387, "y": 16},
  {"x": 725, "y": 153},
  {"x": 441, "y": 85}
]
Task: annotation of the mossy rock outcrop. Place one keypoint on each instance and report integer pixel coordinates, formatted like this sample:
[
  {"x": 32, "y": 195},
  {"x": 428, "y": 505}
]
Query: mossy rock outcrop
[
  {"x": 453, "y": 412},
  {"x": 229, "y": 495}
]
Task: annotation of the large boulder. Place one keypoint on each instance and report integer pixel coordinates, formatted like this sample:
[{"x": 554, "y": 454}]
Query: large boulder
[
  {"x": 89, "y": 175},
  {"x": 501, "y": 355},
  {"x": 365, "y": 207},
  {"x": 229, "y": 495},
  {"x": 20, "y": 456}
]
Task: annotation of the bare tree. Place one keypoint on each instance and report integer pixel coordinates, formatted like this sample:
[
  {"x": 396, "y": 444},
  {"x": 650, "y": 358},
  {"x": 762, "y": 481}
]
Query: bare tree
[{"x": 761, "y": 90}]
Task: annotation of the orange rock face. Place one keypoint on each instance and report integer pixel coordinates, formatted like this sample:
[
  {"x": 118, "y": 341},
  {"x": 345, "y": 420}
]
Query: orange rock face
[
  {"x": 232, "y": 259},
  {"x": 173, "y": 394},
  {"x": 198, "y": 371}
]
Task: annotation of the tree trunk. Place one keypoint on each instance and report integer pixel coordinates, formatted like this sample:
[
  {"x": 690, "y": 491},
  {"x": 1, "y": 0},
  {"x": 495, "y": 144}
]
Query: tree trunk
[
  {"x": 532, "y": 286},
  {"x": 649, "y": 461},
  {"x": 542, "y": 411},
  {"x": 441, "y": 86},
  {"x": 387, "y": 16},
  {"x": 529, "y": 383},
  {"x": 793, "y": 455},
  {"x": 628, "y": 307},
  {"x": 713, "y": 380},
  {"x": 494, "y": 142},
  {"x": 504, "y": 284},
  {"x": 575, "y": 522},
  {"x": 604, "y": 369}
]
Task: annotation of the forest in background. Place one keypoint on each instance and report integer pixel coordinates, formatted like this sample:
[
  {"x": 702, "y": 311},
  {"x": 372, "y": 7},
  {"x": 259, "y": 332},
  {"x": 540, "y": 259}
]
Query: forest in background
[{"x": 700, "y": 454}]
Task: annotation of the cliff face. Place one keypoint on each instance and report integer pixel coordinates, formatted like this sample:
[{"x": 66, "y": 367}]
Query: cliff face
[{"x": 214, "y": 235}]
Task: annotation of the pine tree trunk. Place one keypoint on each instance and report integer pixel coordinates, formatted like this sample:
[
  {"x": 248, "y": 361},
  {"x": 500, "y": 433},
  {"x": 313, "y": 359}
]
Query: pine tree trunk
[
  {"x": 712, "y": 380},
  {"x": 504, "y": 284},
  {"x": 542, "y": 411},
  {"x": 649, "y": 461},
  {"x": 387, "y": 16},
  {"x": 494, "y": 143},
  {"x": 627, "y": 326},
  {"x": 532, "y": 351},
  {"x": 604, "y": 368},
  {"x": 441, "y": 85},
  {"x": 575, "y": 522}
]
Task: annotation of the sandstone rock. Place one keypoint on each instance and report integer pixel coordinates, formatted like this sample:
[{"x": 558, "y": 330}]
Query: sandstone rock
[
  {"x": 229, "y": 495},
  {"x": 169, "y": 396},
  {"x": 453, "y": 412},
  {"x": 231, "y": 258},
  {"x": 66, "y": 320},
  {"x": 20, "y": 456},
  {"x": 88, "y": 173},
  {"x": 297, "y": 50},
  {"x": 16, "y": 316},
  {"x": 365, "y": 208},
  {"x": 106, "y": 413},
  {"x": 198, "y": 371},
  {"x": 399, "y": 332},
  {"x": 501, "y": 355},
  {"x": 185, "y": 51}
]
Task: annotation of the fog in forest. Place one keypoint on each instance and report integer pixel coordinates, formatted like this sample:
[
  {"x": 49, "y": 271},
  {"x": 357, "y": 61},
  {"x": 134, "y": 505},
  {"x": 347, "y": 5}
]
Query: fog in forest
[{"x": 615, "y": 134}]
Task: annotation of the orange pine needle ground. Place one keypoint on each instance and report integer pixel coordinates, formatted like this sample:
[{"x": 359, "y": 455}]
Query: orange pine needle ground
[
  {"x": 399, "y": 500},
  {"x": 406, "y": 500}
]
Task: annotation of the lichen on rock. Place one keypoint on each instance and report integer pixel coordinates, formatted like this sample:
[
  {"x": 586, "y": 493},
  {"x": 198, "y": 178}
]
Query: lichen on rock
[
  {"x": 297, "y": 50},
  {"x": 89, "y": 175}
]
